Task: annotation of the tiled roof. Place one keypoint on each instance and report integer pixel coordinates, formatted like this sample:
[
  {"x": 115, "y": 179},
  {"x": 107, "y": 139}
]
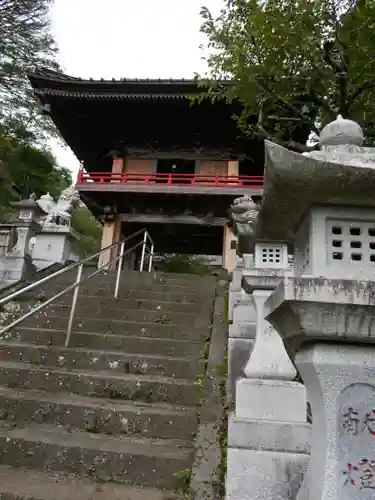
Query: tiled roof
[
  {"x": 47, "y": 74},
  {"x": 52, "y": 83},
  {"x": 110, "y": 95}
]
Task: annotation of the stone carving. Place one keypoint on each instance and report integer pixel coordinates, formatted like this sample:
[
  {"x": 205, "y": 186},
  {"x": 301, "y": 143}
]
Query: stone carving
[
  {"x": 59, "y": 213},
  {"x": 46, "y": 203},
  {"x": 243, "y": 214},
  {"x": 341, "y": 131},
  {"x": 341, "y": 142},
  {"x": 356, "y": 441}
]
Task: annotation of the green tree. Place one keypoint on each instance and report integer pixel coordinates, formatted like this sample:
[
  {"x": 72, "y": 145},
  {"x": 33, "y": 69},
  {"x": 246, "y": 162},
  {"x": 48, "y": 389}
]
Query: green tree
[
  {"x": 26, "y": 168},
  {"x": 90, "y": 230},
  {"x": 294, "y": 64},
  {"x": 25, "y": 45}
]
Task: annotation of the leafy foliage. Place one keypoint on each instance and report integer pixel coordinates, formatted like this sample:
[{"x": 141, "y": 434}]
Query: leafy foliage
[
  {"x": 179, "y": 263},
  {"x": 26, "y": 164},
  {"x": 90, "y": 230},
  {"x": 25, "y": 169},
  {"x": 25, "y": 45},
  {"x": 295, "y": 64}
]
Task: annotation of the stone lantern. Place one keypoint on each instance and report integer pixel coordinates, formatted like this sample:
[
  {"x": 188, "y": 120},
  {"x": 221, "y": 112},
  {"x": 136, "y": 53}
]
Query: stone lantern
[
  {"x": 324, "y": 202},
  {"x": 16, "y": 263}
]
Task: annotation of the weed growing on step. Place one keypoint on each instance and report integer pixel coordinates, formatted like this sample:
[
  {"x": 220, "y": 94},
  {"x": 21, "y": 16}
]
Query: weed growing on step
[
  {"x": 205, "y": 352},
  {"x": 37, "y": 358},
  {"x": 226, "y": 299},
  {"x": 163, "y": 320},
  {"x": 201, "y": 387},
  {"x": 222, "y": 370},
  {"x": 183, "y": 478},
  {"x": 112, "y": 392},
  {"x": 92, "y": 425},
  {"x": 223, "y": 438}
]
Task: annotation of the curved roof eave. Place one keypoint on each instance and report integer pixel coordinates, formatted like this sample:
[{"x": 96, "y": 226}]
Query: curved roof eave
[{"x": 48, "y": 82}]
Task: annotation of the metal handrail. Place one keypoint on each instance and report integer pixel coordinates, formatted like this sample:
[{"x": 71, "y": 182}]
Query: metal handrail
[{"x": 80, "y": 279}]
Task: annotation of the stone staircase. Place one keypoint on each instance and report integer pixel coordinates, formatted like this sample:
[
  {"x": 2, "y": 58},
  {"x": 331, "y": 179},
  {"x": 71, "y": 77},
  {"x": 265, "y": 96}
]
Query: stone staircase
[{"x": 114, "y": 414}]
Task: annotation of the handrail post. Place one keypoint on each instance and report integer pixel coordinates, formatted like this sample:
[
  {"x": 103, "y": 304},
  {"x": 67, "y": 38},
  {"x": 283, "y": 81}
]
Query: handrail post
[
  {"x": 119, "y": 269},
  {"x": 150, "y": 258},
  {"x": 143, "y": 251},
  {"x": 74, "y": 304}
]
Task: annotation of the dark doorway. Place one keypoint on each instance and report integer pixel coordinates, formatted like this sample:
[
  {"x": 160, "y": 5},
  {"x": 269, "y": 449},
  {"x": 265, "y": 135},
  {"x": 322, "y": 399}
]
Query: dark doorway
[{"x": 183, "y": 169}]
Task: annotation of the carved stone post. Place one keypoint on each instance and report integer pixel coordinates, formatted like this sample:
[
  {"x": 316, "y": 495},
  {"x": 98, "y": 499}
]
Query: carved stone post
[
  {"x": 326, "y": 313},
  {"x": 268, "y": 437},
  {"x": 241, "y": 310}
]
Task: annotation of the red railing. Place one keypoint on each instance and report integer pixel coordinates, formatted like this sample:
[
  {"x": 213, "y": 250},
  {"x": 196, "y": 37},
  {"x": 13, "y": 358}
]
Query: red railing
[{"x": 251, "y": 181}]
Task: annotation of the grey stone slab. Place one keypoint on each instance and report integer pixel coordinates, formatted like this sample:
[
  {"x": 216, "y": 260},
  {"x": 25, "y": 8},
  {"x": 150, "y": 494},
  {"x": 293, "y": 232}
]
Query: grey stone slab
[
  {"x": 264, "y": 475},
  {"x": 285, "y": 437}
]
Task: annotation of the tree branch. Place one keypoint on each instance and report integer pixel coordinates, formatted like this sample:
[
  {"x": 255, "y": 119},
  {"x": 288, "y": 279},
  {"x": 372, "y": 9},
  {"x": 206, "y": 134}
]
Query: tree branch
[{"x": 358, "y": 91}]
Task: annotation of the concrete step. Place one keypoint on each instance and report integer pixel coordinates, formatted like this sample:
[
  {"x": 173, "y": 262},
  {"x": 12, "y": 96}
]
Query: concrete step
[
  {"x": 98, "y": 415},
  {"x": 127, "y": 289},
  {"x": 109, "y": 281},
  {"x": 100, "y": 384},
  {"x": 118, "y": 362},
  {"x": 27, "y": 484},
  {"x": 132, "y": 316},
  {"x": 152, "y": 279},
  {"x": 109, "y": 340},
  {"x": 92, "y": 290},
  {"x": 132, "y": 304},
  {"x": 115, "y": 459},
  {"x": 160, "y": 277}
]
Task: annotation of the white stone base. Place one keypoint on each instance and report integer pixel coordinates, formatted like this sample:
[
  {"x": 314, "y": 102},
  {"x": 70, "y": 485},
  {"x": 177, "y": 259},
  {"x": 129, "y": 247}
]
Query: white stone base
[
  {"x": 53, "y": 246},
  {"x": 239, "y": 350},
  {"x": 266, "y": 460},
  {"x": 270, "y": 400},
  {"x": 242, "y": 331},
  {"x": 235, "y": 296},
  {"x": 291, "y": 437},
  {"x": 244, "y": 312}
]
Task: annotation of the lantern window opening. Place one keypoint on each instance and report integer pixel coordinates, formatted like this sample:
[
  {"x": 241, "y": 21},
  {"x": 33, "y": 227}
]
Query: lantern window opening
[{"x": 351, "y": 241}]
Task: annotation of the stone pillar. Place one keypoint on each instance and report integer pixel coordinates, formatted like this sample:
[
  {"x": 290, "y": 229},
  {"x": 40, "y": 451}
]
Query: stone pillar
[
  {"x": 242, "y": 327},
  {"x": 325, "y": 314},
  {"x": 111, "y": 234},
  {"x": 240, "y": 342},
  {"x": 117, "y": 168},
  {"x": 233, "y": 167},
  {"x": 229, "y": 249},
  {"x": 235, "y": 287},
  {"x": 270, "y": 407}
]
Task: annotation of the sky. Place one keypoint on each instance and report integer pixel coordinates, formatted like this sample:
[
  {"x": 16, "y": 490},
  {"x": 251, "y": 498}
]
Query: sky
[{"x": 128, "y": 39}]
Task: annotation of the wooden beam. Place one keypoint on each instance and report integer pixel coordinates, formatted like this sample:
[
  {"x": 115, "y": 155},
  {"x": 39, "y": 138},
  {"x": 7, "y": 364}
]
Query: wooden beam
[
  {"x": 199, "y": 153},
  {"x": 168, "y": 189},
  {"x": 173, "y": 219}
]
